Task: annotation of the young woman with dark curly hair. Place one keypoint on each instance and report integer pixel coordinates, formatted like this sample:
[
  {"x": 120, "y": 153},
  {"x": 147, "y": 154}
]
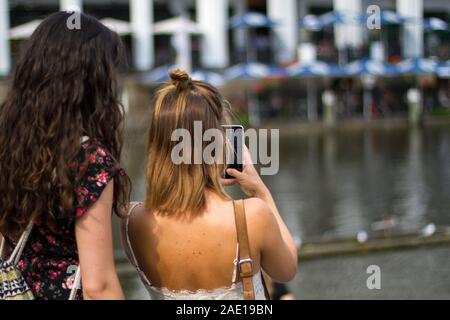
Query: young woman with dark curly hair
[{"x": 60, "y": 137}]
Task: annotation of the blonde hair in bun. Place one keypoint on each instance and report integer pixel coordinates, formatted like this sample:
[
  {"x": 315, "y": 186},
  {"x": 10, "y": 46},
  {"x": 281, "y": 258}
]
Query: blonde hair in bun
[{"x": 180, "y": 79}]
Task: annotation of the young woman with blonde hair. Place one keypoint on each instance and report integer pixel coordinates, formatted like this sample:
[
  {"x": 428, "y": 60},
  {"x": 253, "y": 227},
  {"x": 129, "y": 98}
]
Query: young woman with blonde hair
[{"x": 183, "y": 240}]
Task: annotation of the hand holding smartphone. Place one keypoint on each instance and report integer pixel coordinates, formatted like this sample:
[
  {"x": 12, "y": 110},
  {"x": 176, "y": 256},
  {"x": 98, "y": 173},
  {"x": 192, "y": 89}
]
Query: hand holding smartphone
[{"x": 234, "y": 135}]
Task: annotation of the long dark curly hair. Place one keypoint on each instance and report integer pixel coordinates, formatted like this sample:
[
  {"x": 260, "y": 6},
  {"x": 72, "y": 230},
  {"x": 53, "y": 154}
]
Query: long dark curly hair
[{"x": 63, "y": 88}]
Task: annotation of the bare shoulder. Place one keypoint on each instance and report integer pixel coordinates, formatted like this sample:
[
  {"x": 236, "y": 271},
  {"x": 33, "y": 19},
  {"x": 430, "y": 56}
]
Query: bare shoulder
[
  {"x": 260, "y": 220},
  {"x": 132, "y": 225},
  {"x": 256, "y": 205},
  {"x": 258, "y": 212},
  {"x": 132, "y": 214},
  {"x": 139, "y": 216}
]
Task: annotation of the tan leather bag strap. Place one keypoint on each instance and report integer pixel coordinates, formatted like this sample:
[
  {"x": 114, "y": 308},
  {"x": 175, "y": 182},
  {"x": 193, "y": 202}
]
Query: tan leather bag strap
[
  {"x": 2, "y": 247},
  {"x": 245, "y": 263}
]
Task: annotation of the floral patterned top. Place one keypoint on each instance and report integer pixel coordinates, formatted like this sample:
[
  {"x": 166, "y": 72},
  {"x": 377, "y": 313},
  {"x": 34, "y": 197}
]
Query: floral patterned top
[{"x": 50, "y": 259}]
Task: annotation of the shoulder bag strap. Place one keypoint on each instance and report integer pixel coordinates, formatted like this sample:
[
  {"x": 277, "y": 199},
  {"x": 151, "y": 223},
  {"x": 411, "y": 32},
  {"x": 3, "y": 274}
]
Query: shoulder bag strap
[
  {"x": 76, "y": 284},
  {"x": 245, "y": 263},
  {"x": 2, "y": 248},
  {"x": 133, "y": 205},
  {"x": 265, "y": 279},
  {"x": 17, "y": 252}
]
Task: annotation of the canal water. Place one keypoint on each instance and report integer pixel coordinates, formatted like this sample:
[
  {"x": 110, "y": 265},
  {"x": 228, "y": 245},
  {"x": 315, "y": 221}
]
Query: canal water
[{"x": 335, "y": 184}]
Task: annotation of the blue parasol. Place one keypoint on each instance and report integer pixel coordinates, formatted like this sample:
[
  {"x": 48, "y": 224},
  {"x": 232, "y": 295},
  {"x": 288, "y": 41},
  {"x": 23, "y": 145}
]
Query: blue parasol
[
  {"x": 252, "y": 71},
  {"x": 417, "y": 66},
  {"x": 156, "y": 75},
  {"x": 329, "y": 19},
  {"x": 311, "y": 22},
  {"x": 161, "y": 74},
  {"x": 443, "y": 70},
  {"x": 251, "y": 20},
  {"x": 213, "y": 78},
  {"x": 315, "y": 69},
  {"x": 369, "y": 67},
  {"x": 435, "y": 24},
  {"x": 388, "y": 17},
  {"x": 333, "y": 18},
  {"x": 392, "y": 18}
]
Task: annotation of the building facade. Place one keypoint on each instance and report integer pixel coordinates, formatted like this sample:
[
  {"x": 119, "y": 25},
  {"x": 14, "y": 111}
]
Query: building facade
[{"x": 218, "y": 46}]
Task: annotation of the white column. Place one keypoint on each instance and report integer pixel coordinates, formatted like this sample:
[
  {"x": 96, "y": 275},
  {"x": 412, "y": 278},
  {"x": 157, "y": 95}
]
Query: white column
[
  {"x": 5, "y": 50},
  {"x": 182, "y": 43},
  {"x": 66, "y": 5},
  {"x": 212, "y": 16},
  {"x": 141, "y": 14},
  {"x": 350, "y": 35},
  {"x": 285, "y": 13},
  {"x": 302, "y": 10},
  {"x": 240, "y": 34},
  {"x": 412, "y": 38}
]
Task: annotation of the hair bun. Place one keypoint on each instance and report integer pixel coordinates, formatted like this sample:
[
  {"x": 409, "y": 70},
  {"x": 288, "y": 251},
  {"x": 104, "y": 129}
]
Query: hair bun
[{"x": 180, "y": 78}]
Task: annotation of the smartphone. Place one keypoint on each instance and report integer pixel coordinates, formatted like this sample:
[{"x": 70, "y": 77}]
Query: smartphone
[{"x": 234, "y": 135}]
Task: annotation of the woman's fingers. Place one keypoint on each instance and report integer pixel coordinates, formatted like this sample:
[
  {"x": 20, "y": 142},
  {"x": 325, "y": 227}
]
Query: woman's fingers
[
  {"x": 228, "y": 182},
  {"x": 234, "y": 173},
  {"x": 247, "y": 159}
]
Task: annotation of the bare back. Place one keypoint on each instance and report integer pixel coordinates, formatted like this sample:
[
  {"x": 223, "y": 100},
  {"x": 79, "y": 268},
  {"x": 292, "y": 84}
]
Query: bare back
[{"x": 191, "y": 252}]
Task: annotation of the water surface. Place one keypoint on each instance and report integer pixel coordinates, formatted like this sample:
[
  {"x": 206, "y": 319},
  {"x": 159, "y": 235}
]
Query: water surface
[{"x": 334, "y": 184}]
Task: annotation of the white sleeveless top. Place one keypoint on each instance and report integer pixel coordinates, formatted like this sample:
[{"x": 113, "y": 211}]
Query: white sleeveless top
[{"x": 234, "y": 292}]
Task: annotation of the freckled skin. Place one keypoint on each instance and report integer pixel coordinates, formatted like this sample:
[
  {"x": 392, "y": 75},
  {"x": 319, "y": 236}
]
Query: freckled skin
[{"x": 205, "y": 246}]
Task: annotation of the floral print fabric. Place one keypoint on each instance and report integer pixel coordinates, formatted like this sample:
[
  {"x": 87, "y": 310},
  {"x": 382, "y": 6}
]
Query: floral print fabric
[{"x": 50, "y": 259}]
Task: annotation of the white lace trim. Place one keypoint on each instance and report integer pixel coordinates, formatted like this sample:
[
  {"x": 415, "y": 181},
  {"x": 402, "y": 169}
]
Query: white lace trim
[{"x": 233, "y": 292}]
